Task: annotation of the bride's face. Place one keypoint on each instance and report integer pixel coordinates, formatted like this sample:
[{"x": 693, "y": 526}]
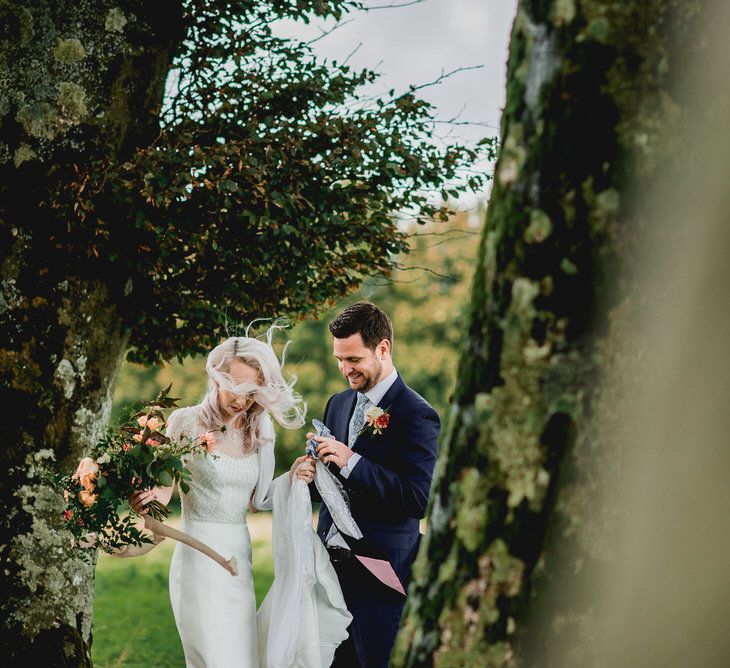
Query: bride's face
[{"x": 232, "y": 404}]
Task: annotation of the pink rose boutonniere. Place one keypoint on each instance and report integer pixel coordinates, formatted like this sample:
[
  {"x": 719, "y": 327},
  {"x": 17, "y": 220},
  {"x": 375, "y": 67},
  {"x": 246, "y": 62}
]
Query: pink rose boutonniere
[{"x": 376, "y": 421}]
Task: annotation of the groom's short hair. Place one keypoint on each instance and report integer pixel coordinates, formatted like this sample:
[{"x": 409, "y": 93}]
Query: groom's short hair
[{"x": 364, "y": 318}]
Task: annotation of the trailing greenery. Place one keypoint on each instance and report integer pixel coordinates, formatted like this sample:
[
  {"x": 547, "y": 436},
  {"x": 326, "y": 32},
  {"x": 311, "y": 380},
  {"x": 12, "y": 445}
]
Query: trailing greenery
[{"x": 271, "y": 187}]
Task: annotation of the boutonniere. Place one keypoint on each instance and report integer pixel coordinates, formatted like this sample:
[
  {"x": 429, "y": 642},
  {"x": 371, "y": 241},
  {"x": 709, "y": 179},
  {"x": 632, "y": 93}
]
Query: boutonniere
[{"x": 376, "y": 421}]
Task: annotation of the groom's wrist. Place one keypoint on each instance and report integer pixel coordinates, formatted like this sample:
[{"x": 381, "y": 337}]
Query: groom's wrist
[{"x": 351, "y": 463}]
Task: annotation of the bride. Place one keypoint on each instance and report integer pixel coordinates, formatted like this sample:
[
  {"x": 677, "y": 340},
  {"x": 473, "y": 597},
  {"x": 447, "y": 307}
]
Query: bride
[{"x": 304, "y": 616}]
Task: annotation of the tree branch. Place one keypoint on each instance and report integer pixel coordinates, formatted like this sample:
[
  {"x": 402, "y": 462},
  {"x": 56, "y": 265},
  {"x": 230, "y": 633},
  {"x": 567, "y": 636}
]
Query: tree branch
[
  {"x": 324, "y": 33},
  {"x": 393, "y": 5}
]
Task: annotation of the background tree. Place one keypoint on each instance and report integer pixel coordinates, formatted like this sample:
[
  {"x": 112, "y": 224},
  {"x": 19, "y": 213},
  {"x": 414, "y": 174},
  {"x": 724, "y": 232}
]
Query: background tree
[
  {"x": 426, "y": 298},
  {"x": 261, "y": 185},
  {"x": 517, "y": 512}
]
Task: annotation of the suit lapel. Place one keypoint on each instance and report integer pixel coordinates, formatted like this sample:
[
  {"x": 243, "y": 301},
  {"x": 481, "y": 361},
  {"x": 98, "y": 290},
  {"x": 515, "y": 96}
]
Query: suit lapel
[{"x": 343, "y": 419}]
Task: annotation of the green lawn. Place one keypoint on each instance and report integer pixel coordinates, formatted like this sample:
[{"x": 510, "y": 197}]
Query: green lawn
[{"x": 133, "y": 623}]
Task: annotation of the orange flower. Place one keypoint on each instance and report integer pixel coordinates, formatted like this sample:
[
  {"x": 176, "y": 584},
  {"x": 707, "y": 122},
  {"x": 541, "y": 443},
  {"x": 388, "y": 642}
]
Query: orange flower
[
  {"x": 87, "y": 473},
  {"x": 88, "y": 482},
  {"x": 137, "y": 437},
  {"x": 152, "y": 442},
  {"x": 126, "y": 447},
  {"x": 152, "y": 423},
  {"x": 87, "y": 498},
  {"x": 208, "y": 440},
  {"x": 68, "y": 514},
  {"x": 376, "y": 420}
]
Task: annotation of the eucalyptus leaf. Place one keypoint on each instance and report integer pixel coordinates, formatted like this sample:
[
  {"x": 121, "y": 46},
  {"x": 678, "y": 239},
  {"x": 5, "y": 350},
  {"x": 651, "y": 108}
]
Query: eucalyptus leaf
[{"x": 165, "y": 478}]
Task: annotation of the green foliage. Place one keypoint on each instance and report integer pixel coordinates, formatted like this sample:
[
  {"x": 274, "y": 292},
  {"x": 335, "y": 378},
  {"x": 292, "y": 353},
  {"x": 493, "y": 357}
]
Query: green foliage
[
  {"x": 425, "y": 300},
  {"x": 274, "y": 186}
]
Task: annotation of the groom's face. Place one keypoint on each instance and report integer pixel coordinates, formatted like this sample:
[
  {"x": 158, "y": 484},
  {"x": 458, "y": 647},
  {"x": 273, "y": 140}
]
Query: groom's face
[{"x": 362, "y": 367}]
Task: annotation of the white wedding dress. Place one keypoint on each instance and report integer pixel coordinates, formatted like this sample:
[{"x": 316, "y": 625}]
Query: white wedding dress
[
  {"x": 304, "y": 617},
  {"x": 215, "y": 612}
]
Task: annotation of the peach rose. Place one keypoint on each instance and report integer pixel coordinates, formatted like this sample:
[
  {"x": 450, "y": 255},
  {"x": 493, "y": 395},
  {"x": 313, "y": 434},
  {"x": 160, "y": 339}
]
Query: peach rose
[
  {"x": 87, "y": 498},
  {"x": 87, "y": 469},
  {"x": 137, "y": 437},
  {"x": 208, "y": 440},
  {"x": 88, "y": 482},
  {"x": 372, "y": 414},
  {"x": 152, "y": 423}
]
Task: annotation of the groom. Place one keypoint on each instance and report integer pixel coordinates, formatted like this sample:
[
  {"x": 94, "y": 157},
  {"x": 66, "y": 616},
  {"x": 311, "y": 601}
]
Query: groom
[{"x": 386, "y": 468}]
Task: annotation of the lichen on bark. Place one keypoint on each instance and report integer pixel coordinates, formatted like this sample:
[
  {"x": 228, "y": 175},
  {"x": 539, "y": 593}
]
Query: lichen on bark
[
  {"x": 588, "y": 112},
  {"x": 63, "y": 335},
  {"x": 53, "y": 574}
]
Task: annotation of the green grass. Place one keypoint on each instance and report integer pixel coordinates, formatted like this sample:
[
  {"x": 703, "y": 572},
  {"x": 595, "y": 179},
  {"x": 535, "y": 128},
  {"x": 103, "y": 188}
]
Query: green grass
[{"x": 133, "y": 622}]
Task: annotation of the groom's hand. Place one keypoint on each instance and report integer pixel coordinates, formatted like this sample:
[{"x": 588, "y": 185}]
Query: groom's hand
[{"x": 331, "y": 450}]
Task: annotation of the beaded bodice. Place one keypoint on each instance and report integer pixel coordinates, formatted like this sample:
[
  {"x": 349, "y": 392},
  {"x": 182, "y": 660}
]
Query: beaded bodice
[{"x": 222, "y": 482}]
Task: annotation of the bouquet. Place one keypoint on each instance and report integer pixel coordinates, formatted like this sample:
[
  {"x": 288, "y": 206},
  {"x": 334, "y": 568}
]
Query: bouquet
[{"x": 133, "y": 456}]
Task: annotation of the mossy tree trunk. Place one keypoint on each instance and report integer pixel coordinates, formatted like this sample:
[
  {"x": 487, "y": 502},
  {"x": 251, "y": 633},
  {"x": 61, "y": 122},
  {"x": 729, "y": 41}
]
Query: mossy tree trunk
[
  {"x": 81, "y": 81},
  {"x": 588, "y": 118}
]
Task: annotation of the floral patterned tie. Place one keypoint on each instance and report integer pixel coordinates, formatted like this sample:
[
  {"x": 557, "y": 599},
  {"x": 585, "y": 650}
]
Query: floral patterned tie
[{"x": 358, "y": 418}]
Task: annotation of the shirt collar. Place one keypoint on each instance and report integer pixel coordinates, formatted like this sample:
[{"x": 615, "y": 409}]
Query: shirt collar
[{"x": 375, "y": 394}]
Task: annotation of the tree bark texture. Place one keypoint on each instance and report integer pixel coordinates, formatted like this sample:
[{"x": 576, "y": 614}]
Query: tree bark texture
[
  {"x": 516, "y": 508},
  {"x": 79, "y": 81}
]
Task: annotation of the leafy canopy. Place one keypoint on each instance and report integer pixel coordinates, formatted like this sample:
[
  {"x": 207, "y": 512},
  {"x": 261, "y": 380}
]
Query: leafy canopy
[{"x": 273, "y": 187}]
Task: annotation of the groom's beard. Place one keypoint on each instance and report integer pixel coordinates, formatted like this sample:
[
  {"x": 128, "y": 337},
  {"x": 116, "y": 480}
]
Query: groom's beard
[{"x": 370, "y": 380}]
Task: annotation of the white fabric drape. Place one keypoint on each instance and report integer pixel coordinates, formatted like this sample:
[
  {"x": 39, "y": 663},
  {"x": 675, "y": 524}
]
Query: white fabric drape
[{"x": 303, "y": 618}]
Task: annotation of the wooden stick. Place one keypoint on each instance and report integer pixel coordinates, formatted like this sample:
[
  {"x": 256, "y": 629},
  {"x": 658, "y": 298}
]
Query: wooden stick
[{"x": 161, "y": 529}]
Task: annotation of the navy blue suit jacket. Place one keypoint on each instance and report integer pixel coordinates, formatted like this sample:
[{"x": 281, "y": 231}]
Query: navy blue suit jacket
[{"x": 390, "y": 485}]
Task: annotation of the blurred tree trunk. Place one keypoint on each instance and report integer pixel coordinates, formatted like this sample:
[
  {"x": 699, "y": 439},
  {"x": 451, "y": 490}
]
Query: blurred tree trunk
[
  {"x": 81, "y": 81},
  {"x": 517, "y": 509},
  {"x": 663, "y": 600}
]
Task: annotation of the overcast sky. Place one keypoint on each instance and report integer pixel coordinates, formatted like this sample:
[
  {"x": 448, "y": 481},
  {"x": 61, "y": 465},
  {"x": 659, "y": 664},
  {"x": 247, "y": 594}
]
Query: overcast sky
[{"x": 416, "y": 43}]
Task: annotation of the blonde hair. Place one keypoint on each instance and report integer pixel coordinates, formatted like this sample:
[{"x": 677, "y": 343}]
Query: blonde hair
[{"x": 275, "y": 394}]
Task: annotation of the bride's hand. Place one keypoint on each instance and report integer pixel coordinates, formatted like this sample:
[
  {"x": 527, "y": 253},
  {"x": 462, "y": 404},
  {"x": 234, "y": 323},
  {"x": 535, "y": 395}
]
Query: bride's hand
[
  {"x": 139, "y": 499},
  {"x": 303, "y": 468}
]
